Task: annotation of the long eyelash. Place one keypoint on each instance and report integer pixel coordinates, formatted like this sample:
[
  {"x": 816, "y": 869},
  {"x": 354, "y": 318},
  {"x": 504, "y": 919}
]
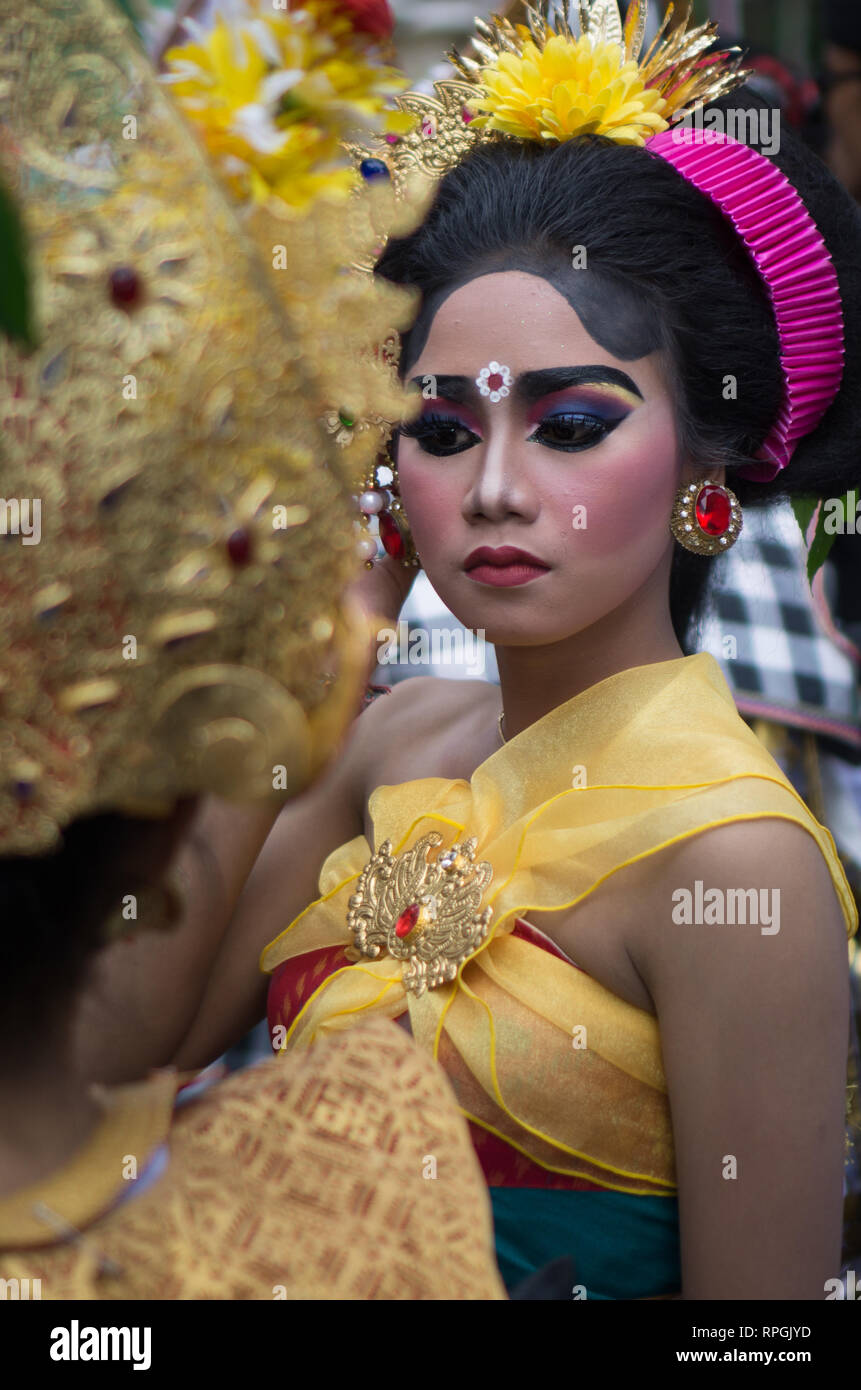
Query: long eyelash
[
  {"x": 425, "y": 423},
  {"x": 600, "y": 427}
]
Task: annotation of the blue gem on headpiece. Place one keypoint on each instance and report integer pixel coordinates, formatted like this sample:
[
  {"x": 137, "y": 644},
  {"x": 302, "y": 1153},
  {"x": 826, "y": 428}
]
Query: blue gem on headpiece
[{"x": 371, "y": 169}]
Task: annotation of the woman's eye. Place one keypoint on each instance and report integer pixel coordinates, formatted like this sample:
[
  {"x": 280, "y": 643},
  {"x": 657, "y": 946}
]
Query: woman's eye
[
  {"x": 571, "y": 432},
  {"x": 440, "y": 436}
]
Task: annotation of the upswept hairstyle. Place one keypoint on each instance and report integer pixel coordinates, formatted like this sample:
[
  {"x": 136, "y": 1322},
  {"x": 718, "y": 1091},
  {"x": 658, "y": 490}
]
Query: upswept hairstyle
[{"x": 691, "y": 287}]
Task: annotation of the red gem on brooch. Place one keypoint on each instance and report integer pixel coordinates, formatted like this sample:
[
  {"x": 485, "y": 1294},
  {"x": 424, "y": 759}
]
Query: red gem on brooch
[
  {"x": 713, "y": 510},
  {"x": 407, "y": 920}
]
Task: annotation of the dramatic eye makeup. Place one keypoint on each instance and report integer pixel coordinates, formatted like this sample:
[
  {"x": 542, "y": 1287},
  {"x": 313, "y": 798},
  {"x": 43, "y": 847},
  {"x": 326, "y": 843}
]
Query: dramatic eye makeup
[
  {"x": 570, "y": 408},
  {"x": 445, "y": 425}
]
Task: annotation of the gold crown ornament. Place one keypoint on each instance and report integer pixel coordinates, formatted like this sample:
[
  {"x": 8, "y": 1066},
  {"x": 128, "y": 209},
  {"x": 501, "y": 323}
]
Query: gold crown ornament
[
  {"x": 176, "y": 529},
  {"x": 539, "y": 81}
]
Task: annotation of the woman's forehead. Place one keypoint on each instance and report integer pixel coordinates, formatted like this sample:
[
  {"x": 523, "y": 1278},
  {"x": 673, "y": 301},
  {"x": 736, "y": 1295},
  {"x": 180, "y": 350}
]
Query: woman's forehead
[
  {"x": 536, "y": 301},
  {"x": 518, "y": 318}
]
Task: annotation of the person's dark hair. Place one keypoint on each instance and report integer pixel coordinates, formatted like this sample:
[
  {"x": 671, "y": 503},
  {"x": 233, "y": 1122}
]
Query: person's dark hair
[
  {"x": 54, "y": 908},
  {"x": 688, "y": 284}
]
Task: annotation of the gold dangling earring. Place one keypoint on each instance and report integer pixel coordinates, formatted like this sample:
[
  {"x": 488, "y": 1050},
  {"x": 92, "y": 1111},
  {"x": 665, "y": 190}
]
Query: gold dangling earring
[
  {"x": 706, "y": 518},
  {"x": 383, "y": 501}
]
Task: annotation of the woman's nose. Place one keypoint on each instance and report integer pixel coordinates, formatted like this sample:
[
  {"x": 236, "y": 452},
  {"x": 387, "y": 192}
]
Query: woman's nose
[{"x": 500, "y": 485}]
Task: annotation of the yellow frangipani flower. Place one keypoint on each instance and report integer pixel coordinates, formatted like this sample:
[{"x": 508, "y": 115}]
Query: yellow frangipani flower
[
  {"x": 274, "y": 92},
  {"x": 567, "y": 89}
]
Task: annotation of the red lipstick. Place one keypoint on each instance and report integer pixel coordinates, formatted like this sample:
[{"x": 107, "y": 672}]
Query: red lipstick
[{"x": 503, "y": 567}]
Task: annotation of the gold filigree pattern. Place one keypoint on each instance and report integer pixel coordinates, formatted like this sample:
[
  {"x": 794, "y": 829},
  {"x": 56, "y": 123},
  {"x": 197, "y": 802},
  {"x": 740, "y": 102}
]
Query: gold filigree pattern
[{"x": 422, "y": 911}]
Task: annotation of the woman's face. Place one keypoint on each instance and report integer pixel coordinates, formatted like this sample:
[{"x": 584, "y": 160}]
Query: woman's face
[{"x": 577, "y": 465}]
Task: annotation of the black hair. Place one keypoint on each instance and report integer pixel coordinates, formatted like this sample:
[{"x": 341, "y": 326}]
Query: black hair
[
  {"x": 684, "y": 274},
  {"x": 54, "y": 909}
]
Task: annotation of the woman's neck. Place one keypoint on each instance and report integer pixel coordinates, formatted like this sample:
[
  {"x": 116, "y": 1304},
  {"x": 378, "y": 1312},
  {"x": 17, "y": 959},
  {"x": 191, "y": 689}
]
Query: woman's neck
[
  {"x": 48, "y": 1114},
  {"x": 534, "y": 680}
]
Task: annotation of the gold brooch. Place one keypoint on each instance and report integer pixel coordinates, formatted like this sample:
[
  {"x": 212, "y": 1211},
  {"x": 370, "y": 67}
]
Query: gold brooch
[{"x": 421, "y": 911}]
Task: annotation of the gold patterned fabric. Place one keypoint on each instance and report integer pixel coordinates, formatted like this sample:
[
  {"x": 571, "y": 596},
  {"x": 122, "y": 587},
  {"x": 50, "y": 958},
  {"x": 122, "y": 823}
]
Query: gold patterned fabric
[
  {"x": 666, "y": 756},
  {"x": 345, "y": 1175}
]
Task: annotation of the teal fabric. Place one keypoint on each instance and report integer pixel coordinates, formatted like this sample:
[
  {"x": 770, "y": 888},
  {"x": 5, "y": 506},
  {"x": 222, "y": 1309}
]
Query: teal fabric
[{"x": 622, "y": 1246}]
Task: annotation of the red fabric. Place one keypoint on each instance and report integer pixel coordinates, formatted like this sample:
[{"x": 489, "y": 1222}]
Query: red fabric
[{"x": 294, "y": 981}]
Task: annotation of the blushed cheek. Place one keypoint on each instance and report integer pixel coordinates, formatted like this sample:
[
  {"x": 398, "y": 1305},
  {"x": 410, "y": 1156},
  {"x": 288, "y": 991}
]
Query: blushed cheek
[
  {"x": 432, "y": 501},
  {"x": 629, "y": 497}
]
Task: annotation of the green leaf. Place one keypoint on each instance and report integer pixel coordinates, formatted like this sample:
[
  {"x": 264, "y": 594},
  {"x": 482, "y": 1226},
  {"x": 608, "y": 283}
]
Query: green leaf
[
  {"x": 15, "y": 287},
  {"x": 820, "y": 547},
  {"x": 804, "y": 507},
  {"x": 823, "y": 540}
]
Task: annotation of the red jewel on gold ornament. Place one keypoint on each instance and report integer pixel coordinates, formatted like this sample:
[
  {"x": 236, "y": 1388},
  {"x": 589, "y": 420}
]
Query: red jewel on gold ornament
[
  {"x": 239, "y": 546},
  {"x": 393, "y": 541},
  {"x": 125, "y": 286},
  {"x": 713, "y": 510},
  {"x": 407, "y": 920}
]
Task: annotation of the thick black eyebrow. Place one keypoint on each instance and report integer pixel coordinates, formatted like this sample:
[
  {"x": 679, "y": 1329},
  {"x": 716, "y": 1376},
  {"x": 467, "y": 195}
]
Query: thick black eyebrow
[
  {"x": 531, "y": 386},
  {"x": 459, "y": 389}
]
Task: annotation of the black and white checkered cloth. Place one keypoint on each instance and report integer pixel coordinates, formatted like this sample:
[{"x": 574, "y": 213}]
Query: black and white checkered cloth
[{"x": 775, "y": 642}]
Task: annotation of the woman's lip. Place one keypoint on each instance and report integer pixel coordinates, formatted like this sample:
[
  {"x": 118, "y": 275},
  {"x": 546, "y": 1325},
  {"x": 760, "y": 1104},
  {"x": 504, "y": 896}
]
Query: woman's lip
[
  {"x": 505, "y": 576},
  {"x": 502, "y": 555}
]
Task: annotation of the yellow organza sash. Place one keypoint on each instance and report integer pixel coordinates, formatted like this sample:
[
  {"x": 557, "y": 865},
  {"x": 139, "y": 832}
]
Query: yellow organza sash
[{"x": 665, "y": 756}]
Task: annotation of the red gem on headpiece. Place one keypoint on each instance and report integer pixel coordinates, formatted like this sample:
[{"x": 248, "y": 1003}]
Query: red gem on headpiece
[
  {"x": 713, "y": 510},
  {"x": 239, "y": 547},
  {"x": 125, "y": 285},
  {"x": 407, "y": 920},
  {"x": 393, "y": 541}
]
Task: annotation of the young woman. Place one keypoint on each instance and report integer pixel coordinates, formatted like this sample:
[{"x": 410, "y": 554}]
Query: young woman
[
  {"x": 149, "y": 645},
  {"x": 591, "y": 893}
]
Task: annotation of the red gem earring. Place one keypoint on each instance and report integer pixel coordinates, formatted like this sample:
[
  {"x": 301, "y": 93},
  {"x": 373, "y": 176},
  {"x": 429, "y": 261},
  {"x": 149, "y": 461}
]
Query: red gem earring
[
  {"x": 383, "y": 501},
  {"x": 706, "y": 518}
]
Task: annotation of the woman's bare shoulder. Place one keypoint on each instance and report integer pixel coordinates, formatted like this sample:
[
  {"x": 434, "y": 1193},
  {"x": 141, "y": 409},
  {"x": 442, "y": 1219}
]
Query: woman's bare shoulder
[
  {"x": 744, "y": 891},
  {"x": 428, "y": 700},
  {"x": 426, "y": 727}
]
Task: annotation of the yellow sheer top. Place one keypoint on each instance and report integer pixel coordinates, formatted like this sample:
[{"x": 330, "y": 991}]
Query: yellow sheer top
[
  {"x": 540, "y": 1054},
  {"x": 312, "y": 1180}
]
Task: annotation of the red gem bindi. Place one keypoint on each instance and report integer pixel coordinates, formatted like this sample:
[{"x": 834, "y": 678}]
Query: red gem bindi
[
  {"x": 713, "y": 510},
  {"x": 407, "y": 920},
  {"x": 494, "y": 381}
]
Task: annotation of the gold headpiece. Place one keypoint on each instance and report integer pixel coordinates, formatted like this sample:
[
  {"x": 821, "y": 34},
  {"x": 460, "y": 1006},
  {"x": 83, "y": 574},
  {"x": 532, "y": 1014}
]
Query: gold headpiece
[
  {"x": 177, "y": 528},
  {"x": 538, "y": 81}
]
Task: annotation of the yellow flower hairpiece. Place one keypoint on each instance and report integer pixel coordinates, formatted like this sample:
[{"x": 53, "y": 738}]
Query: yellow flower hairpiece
[{"x": 539, "y": 81}]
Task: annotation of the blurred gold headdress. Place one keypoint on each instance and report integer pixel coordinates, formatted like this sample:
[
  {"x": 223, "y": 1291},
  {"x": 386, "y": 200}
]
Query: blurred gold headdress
[{"x": 176, "y": 527}]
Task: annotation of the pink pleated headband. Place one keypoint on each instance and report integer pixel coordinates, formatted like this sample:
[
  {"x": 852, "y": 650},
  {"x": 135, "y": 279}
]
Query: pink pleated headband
[{"x": 794, "y": 262}]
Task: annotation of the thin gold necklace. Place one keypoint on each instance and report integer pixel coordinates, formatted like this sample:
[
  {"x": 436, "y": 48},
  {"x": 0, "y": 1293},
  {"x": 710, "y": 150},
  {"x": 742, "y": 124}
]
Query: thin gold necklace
[{"x": 499, "y": 727}]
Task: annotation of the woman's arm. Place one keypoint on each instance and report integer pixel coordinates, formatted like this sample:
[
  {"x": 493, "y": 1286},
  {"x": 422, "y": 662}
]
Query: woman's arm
[
  {"x": 145, "y": 993},
  {"x": 754, "y": 1030},
  {"x": 183, "y": 996}
]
